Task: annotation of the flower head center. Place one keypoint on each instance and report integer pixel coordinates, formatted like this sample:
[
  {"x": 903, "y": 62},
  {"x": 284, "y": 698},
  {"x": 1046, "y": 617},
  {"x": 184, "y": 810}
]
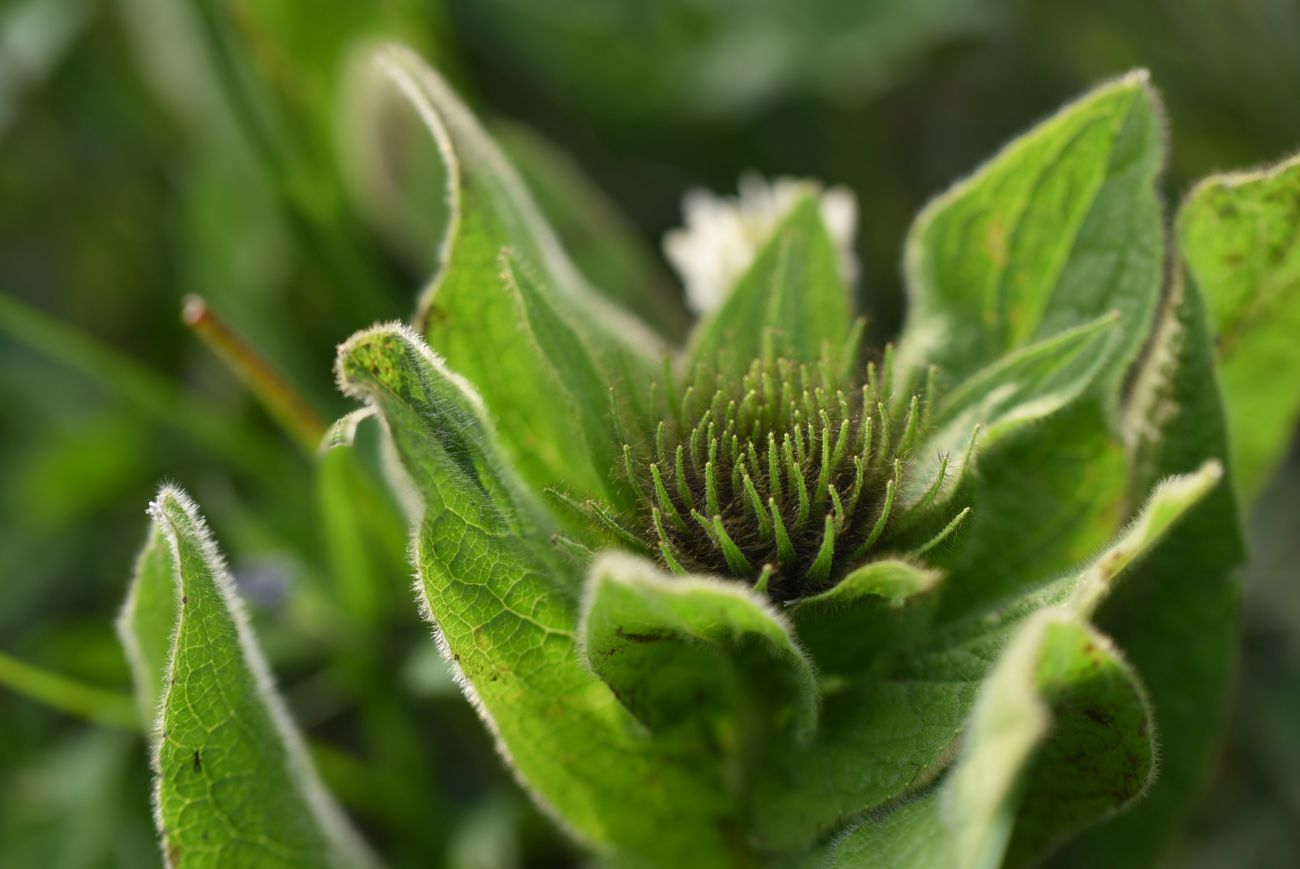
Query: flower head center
[{"x": 783, "y": 475}]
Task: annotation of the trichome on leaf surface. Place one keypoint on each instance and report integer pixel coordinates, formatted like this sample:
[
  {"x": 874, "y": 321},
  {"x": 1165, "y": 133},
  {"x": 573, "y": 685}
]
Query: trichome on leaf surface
[{"x": 762, "y": 594}]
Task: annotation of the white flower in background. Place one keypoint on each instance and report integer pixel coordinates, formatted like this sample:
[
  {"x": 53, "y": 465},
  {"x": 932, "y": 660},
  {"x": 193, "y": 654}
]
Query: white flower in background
[{"x": 723, "y": 233}]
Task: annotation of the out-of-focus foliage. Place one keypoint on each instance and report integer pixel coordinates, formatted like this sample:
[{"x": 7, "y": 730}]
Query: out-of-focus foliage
[{"x": 151, "y": 149}]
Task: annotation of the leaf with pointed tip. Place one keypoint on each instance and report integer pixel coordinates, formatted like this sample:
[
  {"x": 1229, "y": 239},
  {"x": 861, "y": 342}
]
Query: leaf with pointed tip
[
  {"x": 890, "y": 735},
  {"x": 477, "y": 327},
  {"x": 1024, "y": 386},
  {"x": 505, "y": 604},
  {"x": 1060, "y": 227},
  {"x": 792, "y": 294},
  {"x": 877, "y": 607},
  {"x": 1238, "y": 238},
  {"x": 144, "y": 626},
  {"x": 234, "y": 785},
  {"x": 1060, "y": 736},
  {"x": 693, "y": 651}
]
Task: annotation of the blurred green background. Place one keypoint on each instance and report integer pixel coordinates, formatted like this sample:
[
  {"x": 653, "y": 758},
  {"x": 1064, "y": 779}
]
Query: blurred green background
[{"x": 153, "y": 149}]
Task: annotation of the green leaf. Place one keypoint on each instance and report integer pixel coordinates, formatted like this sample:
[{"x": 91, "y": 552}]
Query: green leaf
[
  {"x": 505, "y": 604},
  {"x": 1024, "y": 386},
  {"x": 792, "y": 295},
  {"x": 363, "y": 536},
  {"x": 603, "y": 244},
  {"x": 682, "y": 650},
  {"x": 876, "y": 608},
  {"x": 889, "y": 736},
  {"x": 234, "y": 785},
  {"x": 68, "y": 695},
  {"x": 1060, "y": 736},
  {"x": 1062, "y": 226},
  {"x": 149, "y": 393},
  {"x": 1044, "y": 499},
  {"x": 145, "y": 624},
  {"x": 477, "y": 329},
  {"x": 586, "y": 391},
  {"x": 1177, "y": 617},
  {"x": 1237, "y": 236},
  {"x": 1168, "y": 504}
]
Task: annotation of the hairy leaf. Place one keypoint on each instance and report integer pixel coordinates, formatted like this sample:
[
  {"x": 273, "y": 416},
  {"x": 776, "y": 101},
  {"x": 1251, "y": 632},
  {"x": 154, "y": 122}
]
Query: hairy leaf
[
  {"x": 603, "y": 244},
  {"x": 1023, "y": 387},
  {"x": 234, "y": 785},
  {"x": 586, "y": 392},
  {"x": 683, "y": 650},
  {"x": 1177, "y": 618},
  {"x": 890, "y": 736},
  {"x": 877, "y": 607},
  {"x": 505, "y": 604},
  {"x": 1059, "y": 229},
  {"x": 477, "y": 328},
  {"x": 1060, "y": 735}
]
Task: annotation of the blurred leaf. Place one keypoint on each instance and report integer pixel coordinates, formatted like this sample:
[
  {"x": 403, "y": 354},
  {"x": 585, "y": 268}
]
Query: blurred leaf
[
  {"x": 1177, "y": 618},
  {"x": 62, "y": 806},
  {"x": 1061, "y": 227},
  {"x": 67, "y": 695},
  {"x": 1237, "y": 236},
  {"x": 147, "y": 621},
  {"x": 153, "y": 394},
  {"x": 604, "y": 246},
  {"x": 363, "y": 536}
]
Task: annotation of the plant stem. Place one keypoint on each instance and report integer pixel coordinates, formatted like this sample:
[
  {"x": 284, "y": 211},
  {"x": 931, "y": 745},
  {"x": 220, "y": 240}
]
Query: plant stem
[{"x": 281, "y": 400}]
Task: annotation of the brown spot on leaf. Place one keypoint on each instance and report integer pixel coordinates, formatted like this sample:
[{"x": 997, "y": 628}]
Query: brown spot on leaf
[{"x": 647, "y": 637}]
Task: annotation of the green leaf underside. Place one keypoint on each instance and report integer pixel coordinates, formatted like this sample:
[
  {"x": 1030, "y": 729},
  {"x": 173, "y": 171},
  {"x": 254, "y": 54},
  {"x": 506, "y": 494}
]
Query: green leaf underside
[
  {"x": 792, "y": 295},
  {"x": 1176, "y": 618},
  {"x": 476, "y": 326},
  {"x": 904, "y": 722},
  {"x": 1023, "y": 387},
  {"x": 145, "y": 624},
  {"x": 585, "y": 390},
  {"x": 876, "y": 608},
  {"x": 1061, "y": 226},
  {"x": 693, "y": 650},
  {"x": 1239, "y": 237},
  {"x": 233, "y": 783},
  {"x": 506, "y": 605},
  {"x": 1060, "y": 735}
]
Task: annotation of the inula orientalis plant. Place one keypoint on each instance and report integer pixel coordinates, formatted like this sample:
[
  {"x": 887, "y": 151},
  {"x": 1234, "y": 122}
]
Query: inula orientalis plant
[{"x": 763, "y": 594}]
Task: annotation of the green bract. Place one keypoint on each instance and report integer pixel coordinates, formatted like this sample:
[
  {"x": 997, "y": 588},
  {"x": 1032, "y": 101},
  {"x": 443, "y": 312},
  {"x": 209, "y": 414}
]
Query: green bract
[{"x": 759, "y": 595}]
